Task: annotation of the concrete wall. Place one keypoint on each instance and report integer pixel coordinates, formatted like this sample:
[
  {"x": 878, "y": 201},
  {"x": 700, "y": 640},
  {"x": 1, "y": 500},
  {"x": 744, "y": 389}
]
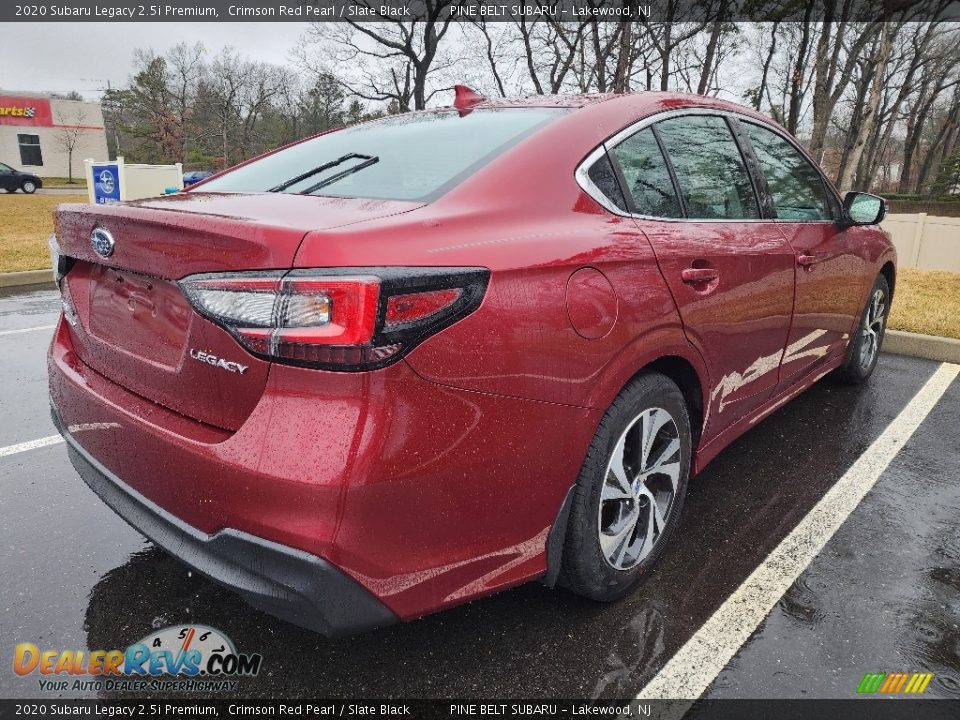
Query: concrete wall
[{"x": 925, "y": 241}]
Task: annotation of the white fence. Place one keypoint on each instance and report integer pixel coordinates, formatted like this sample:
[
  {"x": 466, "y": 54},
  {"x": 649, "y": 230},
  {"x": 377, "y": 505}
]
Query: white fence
[
  {"x": 929, "y": 242},
  {"x": 133, "y": 180}
]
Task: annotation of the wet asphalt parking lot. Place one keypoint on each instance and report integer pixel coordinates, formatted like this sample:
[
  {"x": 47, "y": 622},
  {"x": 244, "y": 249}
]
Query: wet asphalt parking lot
[{"x": 882, "y": 595}]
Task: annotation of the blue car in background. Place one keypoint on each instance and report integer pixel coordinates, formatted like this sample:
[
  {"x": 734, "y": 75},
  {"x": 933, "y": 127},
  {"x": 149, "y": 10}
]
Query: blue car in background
[{"x": 195, "y": 176}]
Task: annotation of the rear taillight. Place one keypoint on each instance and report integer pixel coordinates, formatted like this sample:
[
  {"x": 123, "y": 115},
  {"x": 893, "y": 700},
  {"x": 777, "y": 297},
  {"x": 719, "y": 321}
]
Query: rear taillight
[
  {"x": 337, "y": 319},
  {"x": 59, "y": 263}
]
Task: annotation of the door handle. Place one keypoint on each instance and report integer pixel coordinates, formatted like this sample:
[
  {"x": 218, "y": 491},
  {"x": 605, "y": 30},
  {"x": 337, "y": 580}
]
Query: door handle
[
  {"x": 808, "y": 260},
  {"x": 699, "y": 275}
]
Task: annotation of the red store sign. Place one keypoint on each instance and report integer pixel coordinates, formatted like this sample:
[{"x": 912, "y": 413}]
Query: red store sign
[{"x": 16, "y": 110}]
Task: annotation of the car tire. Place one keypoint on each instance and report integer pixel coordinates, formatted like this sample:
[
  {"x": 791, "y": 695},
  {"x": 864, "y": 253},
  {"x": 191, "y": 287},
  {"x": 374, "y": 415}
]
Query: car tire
[
  {"x": 864, "y": 349},
  {"x": 29, "y": 187},
  {"x": 602, "y": 558}
]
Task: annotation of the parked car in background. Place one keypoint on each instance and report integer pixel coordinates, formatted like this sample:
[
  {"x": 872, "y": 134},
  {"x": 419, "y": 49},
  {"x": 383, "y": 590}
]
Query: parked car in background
[
  {"x": 12, "y": 180},
  {"x": 415, "y": 361},
  {"x": 195, "y": 176}
]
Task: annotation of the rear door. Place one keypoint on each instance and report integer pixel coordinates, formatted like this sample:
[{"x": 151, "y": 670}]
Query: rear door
[
  {"x": 730, "y": 272},
  {"x": 829, "y": 265}
]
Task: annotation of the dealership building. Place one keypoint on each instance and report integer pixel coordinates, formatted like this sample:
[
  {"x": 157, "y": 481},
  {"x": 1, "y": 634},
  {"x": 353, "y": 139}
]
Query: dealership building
[{"x": 35, "y": 131}]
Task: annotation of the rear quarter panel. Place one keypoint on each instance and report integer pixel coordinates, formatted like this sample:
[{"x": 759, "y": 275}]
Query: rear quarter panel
[{"x": 521, "y": 341}]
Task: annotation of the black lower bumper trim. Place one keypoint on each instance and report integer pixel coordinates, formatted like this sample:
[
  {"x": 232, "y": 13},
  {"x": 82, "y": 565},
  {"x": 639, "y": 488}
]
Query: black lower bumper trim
[{"x": 292, "y": 584}]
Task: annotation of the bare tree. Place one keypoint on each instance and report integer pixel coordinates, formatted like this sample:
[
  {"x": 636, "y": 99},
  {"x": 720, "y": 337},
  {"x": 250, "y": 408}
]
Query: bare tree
[
  {"x": 942, "y": 77},
  {"x": 263, "y": 83},
  {"x": 666, "y": 39},
  {"x": 605, "y": 55},
  {"x": 550, "y": 49},
  {"x": 868, "y": 119},
  {"x": 713, "y": 43},
  {"x": 700, "y": 61},
  {"x": 226, "y": 77},
  {"x": 392, "y": 59},
  {"x": 186, "y": 68},
  {"x": 494, "y": 51},
  {"x": 913, "y": 55},
  {"x": 164, "y": 95},
  {"x": 69, "y": 136},
  {"x": 839, "y": 45},
  {"x": 757, "y": 94},
  {"x": 943, "y": 141}
]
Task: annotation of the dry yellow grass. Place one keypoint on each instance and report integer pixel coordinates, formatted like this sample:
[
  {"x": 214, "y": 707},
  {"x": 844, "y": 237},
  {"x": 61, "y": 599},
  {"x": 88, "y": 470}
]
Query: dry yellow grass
[
  {"x": 926, "y": 301},
  {"x": 79, "y": 183},
  {"x": 26, "y": 221}
]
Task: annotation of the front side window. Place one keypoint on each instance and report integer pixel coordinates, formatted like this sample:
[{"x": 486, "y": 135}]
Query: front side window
[
  {"x": 796, "y": 188},
  {"x": 30, "y": 150},
  {"x": 647, "y": 177},
  {"x": 710, "y": 171},
  {"x": 416, "y": 156},
  {"x": 5, "y": 168}
]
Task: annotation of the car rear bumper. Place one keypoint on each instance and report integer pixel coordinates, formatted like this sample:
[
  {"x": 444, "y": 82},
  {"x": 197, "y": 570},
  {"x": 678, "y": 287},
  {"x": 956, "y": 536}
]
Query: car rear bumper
[
  {"x": 289, "y": 583},
  {"x": 423, "y": 495}
]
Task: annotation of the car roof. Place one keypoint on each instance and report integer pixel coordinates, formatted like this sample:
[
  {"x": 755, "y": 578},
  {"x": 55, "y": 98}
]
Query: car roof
[
  {"x": 558, "y": 101},
  {"x": 644, "y": 102}
]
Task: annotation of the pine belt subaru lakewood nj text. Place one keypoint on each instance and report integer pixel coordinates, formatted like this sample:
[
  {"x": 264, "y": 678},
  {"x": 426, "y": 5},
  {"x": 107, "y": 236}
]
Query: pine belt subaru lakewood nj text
[{"x": 412, "y": 362}]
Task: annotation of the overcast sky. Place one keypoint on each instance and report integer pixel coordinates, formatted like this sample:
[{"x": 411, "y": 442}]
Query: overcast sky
[{"x": 59, "y": 57}]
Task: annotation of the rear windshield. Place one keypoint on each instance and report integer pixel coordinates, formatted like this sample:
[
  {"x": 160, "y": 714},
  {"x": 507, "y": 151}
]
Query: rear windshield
[{"x": 416, "y": 156}]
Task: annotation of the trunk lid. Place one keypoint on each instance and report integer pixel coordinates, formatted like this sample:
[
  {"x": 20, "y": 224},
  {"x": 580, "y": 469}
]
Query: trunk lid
[{"x": 133, "y": 323}]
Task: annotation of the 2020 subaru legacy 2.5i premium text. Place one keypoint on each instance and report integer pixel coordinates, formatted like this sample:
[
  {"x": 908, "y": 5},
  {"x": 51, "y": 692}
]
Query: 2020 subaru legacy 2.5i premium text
[{"x": 412, "y": 362}]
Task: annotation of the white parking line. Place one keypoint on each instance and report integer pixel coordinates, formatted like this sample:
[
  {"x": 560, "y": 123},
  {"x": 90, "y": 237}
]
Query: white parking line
[
  {"x": 26, "y": 330},
  {"x": 30, "y": 445},
  {"x": 691, "y": 670}
]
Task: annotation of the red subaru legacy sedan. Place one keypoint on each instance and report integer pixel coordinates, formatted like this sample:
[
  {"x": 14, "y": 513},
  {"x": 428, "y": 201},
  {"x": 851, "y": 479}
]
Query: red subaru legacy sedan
[{"x": 409, "y": 363}]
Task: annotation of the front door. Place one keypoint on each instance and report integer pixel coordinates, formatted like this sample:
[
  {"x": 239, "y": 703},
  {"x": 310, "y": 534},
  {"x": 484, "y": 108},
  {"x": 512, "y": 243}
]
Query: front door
[
  {"x": 829, "y": 266},
  {"x": 730, "y": 273}
]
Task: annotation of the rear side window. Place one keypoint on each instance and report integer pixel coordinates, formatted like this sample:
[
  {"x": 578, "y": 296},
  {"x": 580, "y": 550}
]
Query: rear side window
[
  {"x": 603, "y": 175},
  {"x": 710, "y": 170},
  {"x": 647, "y": 177},
  {"x": 416, "y": 156},
  {"x": 796, "y": 187}
]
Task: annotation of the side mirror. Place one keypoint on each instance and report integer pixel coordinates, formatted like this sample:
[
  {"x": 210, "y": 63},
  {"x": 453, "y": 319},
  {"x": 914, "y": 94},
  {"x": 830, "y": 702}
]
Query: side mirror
[{"x": 863, "y": 208}]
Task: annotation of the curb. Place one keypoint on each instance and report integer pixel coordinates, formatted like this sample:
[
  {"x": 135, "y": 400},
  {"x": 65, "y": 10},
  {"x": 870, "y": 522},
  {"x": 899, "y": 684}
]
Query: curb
[
  {"x": 930, "y": 347},
  {"x": 27, "y": 277}
]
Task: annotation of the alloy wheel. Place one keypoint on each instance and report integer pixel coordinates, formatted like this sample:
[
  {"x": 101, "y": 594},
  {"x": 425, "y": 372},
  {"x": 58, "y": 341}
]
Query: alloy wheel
[
  {"x": 872, "y": 327},
  {"x": 639, "y": 488}
]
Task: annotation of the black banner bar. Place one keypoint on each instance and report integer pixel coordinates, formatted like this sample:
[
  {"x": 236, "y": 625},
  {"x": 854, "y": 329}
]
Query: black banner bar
[
  {"x": 476, "y": 10},
  {"x": 899, "y": 708}
]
